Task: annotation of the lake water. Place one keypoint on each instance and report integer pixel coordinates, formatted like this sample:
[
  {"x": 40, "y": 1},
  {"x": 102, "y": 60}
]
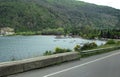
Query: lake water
[{"x": 22, "y": 47}]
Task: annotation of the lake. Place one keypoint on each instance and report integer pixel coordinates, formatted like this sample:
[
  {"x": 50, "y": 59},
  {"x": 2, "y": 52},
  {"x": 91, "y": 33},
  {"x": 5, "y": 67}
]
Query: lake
[{"x": 22, "y": 47}]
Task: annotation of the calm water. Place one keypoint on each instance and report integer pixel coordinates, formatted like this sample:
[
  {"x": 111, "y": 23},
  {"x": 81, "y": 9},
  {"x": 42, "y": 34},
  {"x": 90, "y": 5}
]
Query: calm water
[{"x": 21, "y": 47}]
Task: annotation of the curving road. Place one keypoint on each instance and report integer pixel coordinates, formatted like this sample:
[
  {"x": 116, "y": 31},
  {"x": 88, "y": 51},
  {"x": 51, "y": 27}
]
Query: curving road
[{"x": 104, "y": 65}]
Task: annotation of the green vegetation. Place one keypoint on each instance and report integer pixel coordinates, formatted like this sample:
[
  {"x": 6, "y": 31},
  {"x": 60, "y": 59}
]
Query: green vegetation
[
  {"x": 73, "y": 17},
  {"x": 118, "y": 43},
  {"x": 110, "y": 45},
  {"x": 47, "y": 53},
  {"x": 89, "y": 46},
  {"x": 26, "y": 33},
  {"x": 108, "y": 33},
  {"x": 111, "y": 42},
  {"x": 57, "y": 50},
  {"x": 60, "y": 50},
  {"x": 58, "y": 31},
  {"x": 77, "y": 48}
]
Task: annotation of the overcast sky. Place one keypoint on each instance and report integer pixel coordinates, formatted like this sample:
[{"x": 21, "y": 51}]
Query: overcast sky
[{"x": 112, "y": 3}]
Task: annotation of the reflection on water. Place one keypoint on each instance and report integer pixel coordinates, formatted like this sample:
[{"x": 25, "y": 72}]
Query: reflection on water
[{"x": 21, "y": 47}]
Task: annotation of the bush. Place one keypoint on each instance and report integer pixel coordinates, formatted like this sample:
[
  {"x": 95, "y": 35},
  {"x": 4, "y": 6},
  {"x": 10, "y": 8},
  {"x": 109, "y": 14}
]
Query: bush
[
  {"x": 77, "y": 48},
  {"x": 57, "y": 50},
  {"x": 93, "y": 45},
  {"x": 60, "y": 50},
  {"x": 47, "y": 53},
  {"x": 67, "y": 50},
  {"x": 110, "y": 42},
  {"x": 88, "y": 46}
]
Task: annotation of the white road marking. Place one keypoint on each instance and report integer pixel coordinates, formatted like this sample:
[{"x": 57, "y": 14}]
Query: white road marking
[{"x": 81, "y": 65}]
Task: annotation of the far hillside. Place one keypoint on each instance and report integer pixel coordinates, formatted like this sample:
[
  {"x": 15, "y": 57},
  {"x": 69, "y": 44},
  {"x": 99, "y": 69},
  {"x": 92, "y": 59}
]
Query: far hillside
[{"x": 60, "y": 17}]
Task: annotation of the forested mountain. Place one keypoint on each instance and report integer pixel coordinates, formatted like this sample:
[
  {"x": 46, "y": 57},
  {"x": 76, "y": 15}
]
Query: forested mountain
[{"x": 71, "y": 15}]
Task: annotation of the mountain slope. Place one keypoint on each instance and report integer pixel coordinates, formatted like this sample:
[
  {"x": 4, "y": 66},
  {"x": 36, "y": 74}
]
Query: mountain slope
[{"x": 35, "y": 15}]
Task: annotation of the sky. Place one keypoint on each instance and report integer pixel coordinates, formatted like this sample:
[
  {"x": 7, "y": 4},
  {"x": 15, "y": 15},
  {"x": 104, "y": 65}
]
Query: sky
[{"x": 111, "y": 3}]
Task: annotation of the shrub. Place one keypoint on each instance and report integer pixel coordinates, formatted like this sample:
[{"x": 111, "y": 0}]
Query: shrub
[
  {"x": 47, "y": 53},
  {"x": 93, "y": 45},
  {"x": 77, "y": 48},
  {"x": 88, "y": 46},
  {"x": 60, "y": 50},
  {"x": 67, "y": 50},
  {"x": 110, "y": 42}
]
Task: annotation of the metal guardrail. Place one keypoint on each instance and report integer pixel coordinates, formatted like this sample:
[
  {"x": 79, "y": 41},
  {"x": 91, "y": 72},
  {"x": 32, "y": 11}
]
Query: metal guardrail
[{"x": 100, "y": 50}]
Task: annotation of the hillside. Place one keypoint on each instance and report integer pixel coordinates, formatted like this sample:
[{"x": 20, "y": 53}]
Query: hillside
[{"x": 71, "y": 15}]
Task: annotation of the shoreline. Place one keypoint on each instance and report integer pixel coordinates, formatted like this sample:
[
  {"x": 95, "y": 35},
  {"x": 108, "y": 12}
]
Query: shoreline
[{"x": 60, "y": 36}]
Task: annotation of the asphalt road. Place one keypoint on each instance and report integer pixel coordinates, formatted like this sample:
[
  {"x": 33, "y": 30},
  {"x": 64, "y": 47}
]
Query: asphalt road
[{"x": 104, "y": 65}]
